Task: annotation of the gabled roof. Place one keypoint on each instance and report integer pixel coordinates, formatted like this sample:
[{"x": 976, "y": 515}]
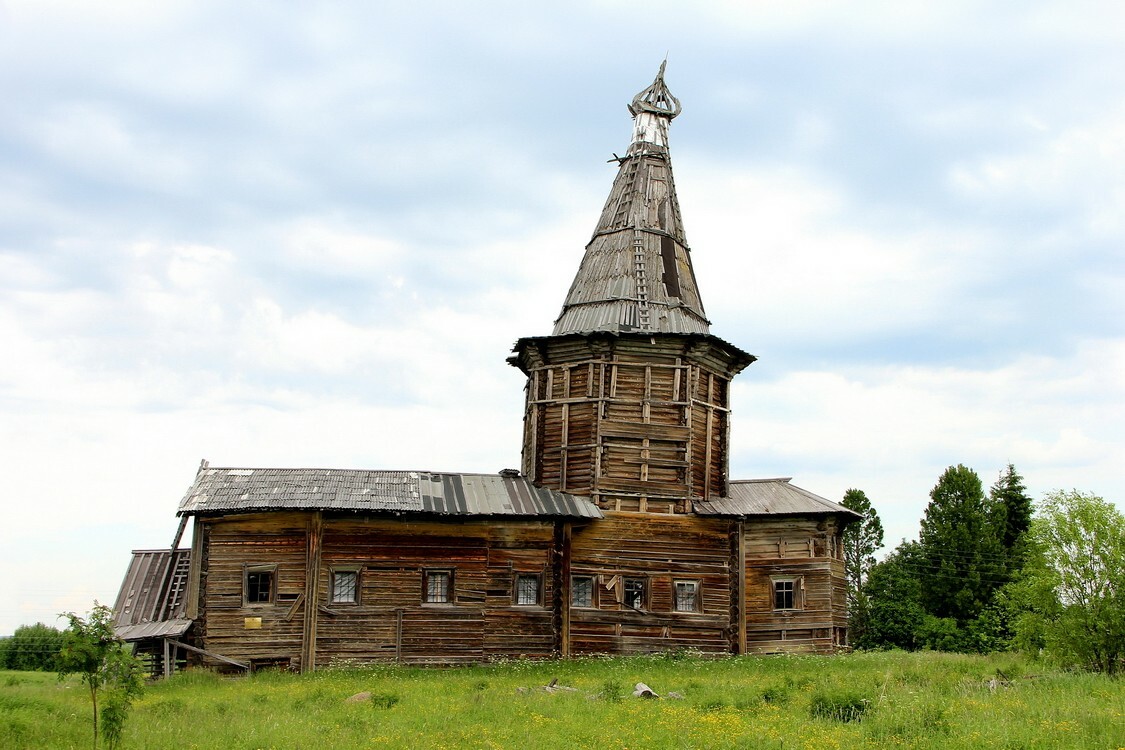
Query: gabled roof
[
  {"x": 151, "y": 601},
  {"x": 636, "y": 274},
  {"x": 769, "y": 497},
  {"x": 231, "y": 490}
]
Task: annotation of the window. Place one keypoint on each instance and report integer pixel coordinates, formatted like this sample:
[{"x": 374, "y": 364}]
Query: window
[
  {"x": 527, "y": 589},
  {"x": 787, "y": 593},
  {"x": 437, "y": 587},
  {"x": 582, "y": 591},
  {"x": 345, "y": 586},
  {"x": 259, "y": 583},
  {"x": 686, "y": 596},
  {"x": 634, "y": 593}
]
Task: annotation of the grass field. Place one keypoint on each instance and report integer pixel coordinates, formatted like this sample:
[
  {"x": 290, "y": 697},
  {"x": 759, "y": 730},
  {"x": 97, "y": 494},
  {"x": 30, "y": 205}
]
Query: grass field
[{"x": 925, "y": 700}]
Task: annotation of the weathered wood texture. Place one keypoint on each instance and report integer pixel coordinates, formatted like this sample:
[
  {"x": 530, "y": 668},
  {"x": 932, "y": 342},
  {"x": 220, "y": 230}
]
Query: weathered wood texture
[
  {"x": 389, "y": 620},
  {"x": 638, "y": 423},
  {"x": 808, "y": 552},
  {"x": 658, "y": 550}
]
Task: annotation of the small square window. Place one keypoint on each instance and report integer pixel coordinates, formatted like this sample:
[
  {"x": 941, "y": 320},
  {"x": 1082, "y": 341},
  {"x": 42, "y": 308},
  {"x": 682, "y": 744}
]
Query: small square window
[
  {"x": 345, "y": 587},
  {"x": 582, "y": 592},
  {"x": 527, "y": 589},
  {"x": 634, "y": 596},
  {"x": 786, "y": 593},
  {"x": 686, "y": 596},
  {"x": 259, "y": 584},
  {"x": 438, "y": 587}
]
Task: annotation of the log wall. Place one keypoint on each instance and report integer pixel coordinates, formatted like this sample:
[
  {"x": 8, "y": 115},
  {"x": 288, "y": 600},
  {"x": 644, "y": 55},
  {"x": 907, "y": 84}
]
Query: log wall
[
  {"x": 390, "y": 620},
  {"x": 658, "y": 550},
  {"x": 638, "y": 423},
  {"x": 807, "y": 551}
]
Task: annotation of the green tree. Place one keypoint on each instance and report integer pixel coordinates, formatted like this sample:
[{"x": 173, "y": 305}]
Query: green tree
[
  {"x": 894, "y": 600},
  {"x": 961, "y": 554},
  {"x": 31, "y": 647},
  {"x": 1011, "y": 510},
  {"x": 1071, "y": 596},
  {"x": 861, "y": 539},
  {"x": 91, "y": 650}
]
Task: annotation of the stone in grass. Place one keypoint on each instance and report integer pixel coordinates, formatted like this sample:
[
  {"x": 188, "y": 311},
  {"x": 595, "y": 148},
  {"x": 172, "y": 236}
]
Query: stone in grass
[
  {"x": 644, "y": 691},
  {"x": 359, "y": 697}
]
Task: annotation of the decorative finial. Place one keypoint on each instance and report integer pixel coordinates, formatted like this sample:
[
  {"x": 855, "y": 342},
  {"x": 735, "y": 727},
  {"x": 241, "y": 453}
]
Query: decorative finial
[{"x": 656, "y": 99}]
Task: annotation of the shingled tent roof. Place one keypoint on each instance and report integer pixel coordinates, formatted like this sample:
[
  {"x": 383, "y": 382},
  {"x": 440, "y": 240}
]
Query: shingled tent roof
[
  {"x": 231, "y": 490},
  {"x": 770, "y": 497},
  {"x": 636, "y": 274}
]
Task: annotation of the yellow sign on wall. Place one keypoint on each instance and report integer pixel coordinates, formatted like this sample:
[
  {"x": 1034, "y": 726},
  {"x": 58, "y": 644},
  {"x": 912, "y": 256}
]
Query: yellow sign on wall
[{"x": 252, "y": 623}]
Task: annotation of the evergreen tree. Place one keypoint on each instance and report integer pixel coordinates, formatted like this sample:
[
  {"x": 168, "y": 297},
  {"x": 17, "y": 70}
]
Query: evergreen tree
[
  {"x": 861, "y": 539},
  {"x": 1011, "y": 509},
  {"x": 961, "y": 553},
  {"x": 894, "y": 599}
]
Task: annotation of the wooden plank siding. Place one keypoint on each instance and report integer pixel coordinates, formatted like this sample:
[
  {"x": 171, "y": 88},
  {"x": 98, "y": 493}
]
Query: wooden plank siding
[
  {"x": 659, "y": 549},
  {"x": 806, "y": 550},
  {"x": 389, "y": 620}
]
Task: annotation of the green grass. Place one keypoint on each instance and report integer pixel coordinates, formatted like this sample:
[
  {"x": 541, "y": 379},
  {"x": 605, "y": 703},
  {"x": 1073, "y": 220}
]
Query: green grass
[{"x": 893, "y": 699}]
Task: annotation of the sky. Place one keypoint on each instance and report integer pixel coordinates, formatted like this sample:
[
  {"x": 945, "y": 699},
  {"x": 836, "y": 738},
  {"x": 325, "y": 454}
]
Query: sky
[{"x": 308, "y": 234}]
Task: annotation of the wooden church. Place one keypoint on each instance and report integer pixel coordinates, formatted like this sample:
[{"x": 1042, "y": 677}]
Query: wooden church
[{"x": 621, "y": 533}]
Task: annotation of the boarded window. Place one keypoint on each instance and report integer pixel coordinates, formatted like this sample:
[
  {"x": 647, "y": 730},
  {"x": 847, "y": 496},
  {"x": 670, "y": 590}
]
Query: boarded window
[
  {"x": 634, "y": 593},
  {"x": 582, "y": 591},
  {"x": 438, "y": 587},
  {"x": 686, "y": 596},
  {"x": 527, "y": 589},
  {"x": 345, "y": 586},
  {"x": 259, "y": 584}
]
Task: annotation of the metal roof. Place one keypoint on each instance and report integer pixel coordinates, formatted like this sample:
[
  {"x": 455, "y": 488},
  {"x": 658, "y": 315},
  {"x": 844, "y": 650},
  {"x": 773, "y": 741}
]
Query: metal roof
[
  {"x": 151, "y": 601},
  {"x": 231, "y": 490},
  {"x": 769, "y": 497},
  {"x": 636, "y": 274}
]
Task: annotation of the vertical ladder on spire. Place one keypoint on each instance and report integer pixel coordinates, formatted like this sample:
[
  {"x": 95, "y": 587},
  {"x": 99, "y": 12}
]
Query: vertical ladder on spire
[
  {"x": 643, "y": 321},
  {"x": 627, "y": 190}
]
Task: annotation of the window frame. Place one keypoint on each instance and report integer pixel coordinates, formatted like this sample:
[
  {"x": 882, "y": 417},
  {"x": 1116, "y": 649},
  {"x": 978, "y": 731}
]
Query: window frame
[
  {"x": 333, "y": 573},
  {"x": 696, "y": 598},
  {"x": 269, "y": 569},
  {"x": 796, "y": 592},
  {"x": 593, "y": 580},
  {"x": 450, "y": 593},
  {"x": 643, "y": 583},
  {"x": 517, "y": 591}
]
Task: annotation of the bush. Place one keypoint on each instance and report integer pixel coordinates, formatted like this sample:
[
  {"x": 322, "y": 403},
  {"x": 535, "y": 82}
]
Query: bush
[{"x": 842, "y": 705}]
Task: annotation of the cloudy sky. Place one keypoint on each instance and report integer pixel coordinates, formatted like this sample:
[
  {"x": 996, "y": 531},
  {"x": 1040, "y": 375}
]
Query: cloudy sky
[{"x": 286, "y": 235}]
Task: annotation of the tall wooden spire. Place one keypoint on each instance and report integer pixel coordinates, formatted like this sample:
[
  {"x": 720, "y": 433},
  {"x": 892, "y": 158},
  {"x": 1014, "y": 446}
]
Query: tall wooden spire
[
  {"x": 636, "y": 274},
  {"x": 628, "y": 399}
]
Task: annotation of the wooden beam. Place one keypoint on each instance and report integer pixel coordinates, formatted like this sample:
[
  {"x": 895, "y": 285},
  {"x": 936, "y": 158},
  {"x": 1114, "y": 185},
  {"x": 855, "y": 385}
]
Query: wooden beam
[
  {"x": 314, "y": 538},
  {"x": 564, "y": 586},
  {"x": 195, "y": 569},
  {"x": 741, "y": 610},
  {"x": 205, "y": 652}
]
